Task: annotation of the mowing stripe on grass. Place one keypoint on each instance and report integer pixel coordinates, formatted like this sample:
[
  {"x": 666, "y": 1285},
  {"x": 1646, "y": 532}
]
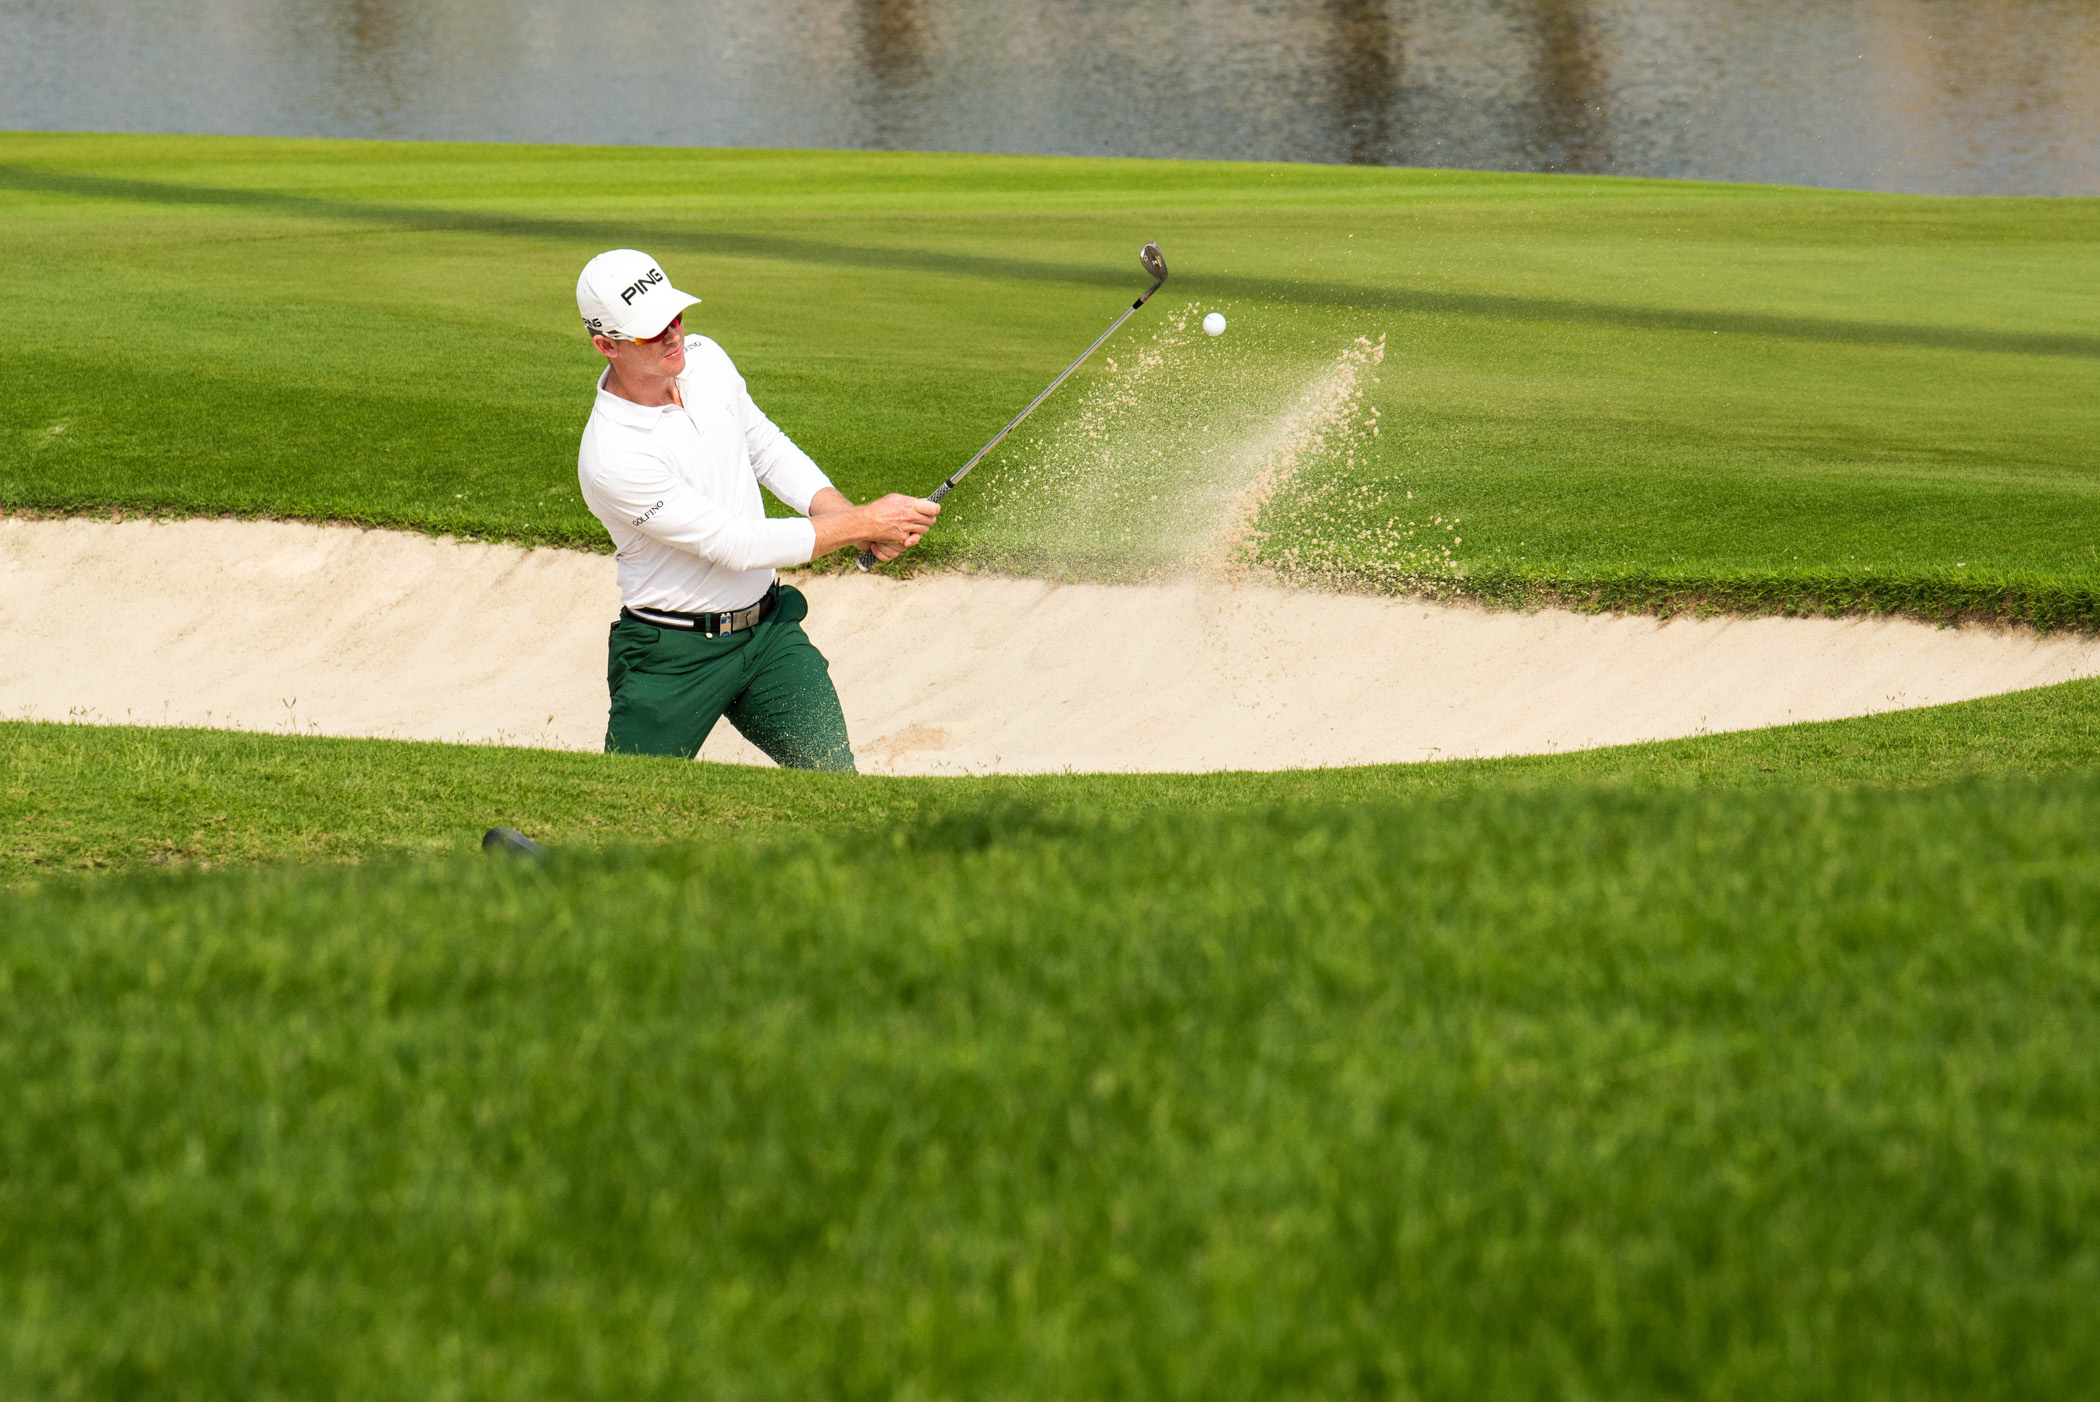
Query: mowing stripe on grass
[{"x": 727, "y": 242}]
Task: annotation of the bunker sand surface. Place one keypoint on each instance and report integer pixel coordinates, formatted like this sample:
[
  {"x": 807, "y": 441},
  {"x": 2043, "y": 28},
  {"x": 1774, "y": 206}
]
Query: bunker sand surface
[{"x": 281, "y": 626}]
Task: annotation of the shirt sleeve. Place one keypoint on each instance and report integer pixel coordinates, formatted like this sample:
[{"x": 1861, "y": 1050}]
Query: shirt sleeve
[
  {"x": 665, "y": 507},
  {"x": 783, "y": 469}
]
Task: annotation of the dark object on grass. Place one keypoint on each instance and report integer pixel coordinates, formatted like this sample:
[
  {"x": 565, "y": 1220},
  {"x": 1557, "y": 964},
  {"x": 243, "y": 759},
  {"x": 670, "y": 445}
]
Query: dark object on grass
[
  {"x": 512, "y": 841},
  {"x": 1155, "y": 265}
]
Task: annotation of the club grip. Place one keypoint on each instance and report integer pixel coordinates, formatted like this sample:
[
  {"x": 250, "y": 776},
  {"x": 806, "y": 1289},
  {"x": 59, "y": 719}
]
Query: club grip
[{"x": 867, "y": 557}]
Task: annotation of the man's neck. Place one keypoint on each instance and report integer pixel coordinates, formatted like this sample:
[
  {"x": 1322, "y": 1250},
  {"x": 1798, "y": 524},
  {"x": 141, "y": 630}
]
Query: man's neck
[{"x": 653, "y": 393}]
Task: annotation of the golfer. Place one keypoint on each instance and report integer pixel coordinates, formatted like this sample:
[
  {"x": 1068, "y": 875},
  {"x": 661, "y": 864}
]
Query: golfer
[{"x": 672, "y": 460}]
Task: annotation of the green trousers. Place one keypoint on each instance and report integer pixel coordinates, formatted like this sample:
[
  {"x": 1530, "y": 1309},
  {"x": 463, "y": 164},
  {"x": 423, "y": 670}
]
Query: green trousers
[{"x": 670, "y": 685}]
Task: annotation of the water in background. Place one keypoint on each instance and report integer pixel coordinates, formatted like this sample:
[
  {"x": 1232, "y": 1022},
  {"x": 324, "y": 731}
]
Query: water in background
[{"x": 1943, "y": 96}]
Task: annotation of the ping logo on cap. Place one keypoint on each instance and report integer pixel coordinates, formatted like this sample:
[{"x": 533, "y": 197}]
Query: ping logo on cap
[
  {"x": 641, "y": 285},
  {"x": 623, "y": 291}
]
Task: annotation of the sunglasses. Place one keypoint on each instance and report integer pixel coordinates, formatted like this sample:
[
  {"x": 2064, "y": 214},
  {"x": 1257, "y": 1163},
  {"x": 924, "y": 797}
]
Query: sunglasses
[{"x": 660, "y": 338}]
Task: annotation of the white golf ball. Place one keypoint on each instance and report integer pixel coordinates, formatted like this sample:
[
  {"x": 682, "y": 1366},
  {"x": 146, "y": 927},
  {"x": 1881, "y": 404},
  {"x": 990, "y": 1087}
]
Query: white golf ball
[{"x": 1214, "y": 324}]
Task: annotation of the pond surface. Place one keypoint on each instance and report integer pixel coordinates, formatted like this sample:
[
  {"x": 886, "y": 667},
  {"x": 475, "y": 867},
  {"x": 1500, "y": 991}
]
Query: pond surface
[{"x": 1940, "y": 96}]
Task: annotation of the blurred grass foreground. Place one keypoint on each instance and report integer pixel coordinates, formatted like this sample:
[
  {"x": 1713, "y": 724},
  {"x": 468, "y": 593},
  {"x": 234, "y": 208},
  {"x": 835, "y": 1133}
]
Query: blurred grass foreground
[{"x": 1777, "y": 1093}]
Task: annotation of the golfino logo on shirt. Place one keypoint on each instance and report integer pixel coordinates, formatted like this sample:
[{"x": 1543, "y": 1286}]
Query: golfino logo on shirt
[{"x": 647, "y": 514}]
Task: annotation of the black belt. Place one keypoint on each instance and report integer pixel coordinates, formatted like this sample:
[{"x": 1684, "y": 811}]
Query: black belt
[{"x": 712, "y": 624}]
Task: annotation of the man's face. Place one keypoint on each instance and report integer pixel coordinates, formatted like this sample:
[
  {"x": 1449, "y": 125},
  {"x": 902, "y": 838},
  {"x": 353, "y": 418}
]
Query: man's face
[{"x": 662, "y": 357}]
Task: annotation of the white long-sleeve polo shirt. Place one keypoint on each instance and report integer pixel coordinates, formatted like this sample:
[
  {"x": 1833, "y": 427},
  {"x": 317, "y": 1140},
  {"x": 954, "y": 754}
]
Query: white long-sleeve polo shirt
[{"x": 677, "y": 489}]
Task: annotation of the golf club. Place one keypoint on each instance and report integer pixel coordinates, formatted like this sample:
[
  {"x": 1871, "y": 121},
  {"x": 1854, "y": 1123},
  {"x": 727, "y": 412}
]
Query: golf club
[
  {"x": 1155, "y": 265},
  {"x": 511, "y": 842}
]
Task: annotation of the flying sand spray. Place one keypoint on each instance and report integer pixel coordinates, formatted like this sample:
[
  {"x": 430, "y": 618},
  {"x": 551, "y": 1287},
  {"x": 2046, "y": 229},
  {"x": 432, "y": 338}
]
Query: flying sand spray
[{"x": 1155, "y": 264}]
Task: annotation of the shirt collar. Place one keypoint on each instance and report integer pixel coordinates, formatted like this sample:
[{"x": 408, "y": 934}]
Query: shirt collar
[{"x": 626, "y": 412}]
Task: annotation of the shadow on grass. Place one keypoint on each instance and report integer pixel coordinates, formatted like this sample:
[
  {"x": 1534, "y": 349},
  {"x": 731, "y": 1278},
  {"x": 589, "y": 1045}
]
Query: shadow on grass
[{"x": 815, "y": 251}]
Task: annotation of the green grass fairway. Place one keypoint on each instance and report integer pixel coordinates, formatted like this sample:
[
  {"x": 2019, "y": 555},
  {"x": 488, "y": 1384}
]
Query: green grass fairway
[
  {"x": 1759, "y": 1095},
  {"x": 76, "y": 798},
  {"x": 1758, "y": 1066},
  {"x": 1638, "y": 393}
]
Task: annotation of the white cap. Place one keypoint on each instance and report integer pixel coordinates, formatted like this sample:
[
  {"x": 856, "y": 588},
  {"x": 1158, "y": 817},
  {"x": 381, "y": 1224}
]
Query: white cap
[{"x": 625, "y": 291}]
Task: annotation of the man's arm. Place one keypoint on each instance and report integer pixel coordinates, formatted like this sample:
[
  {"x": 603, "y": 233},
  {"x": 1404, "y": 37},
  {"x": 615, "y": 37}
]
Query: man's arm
[
  {"x": 782, "y": 468},
  {"x": 661, "y": 504},
  {"x": 889, "y": 525}
]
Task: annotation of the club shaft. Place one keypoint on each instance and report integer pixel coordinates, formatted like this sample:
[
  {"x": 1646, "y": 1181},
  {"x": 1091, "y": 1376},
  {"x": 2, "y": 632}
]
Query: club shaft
[
  {"x": 1048, "y": 390},
  {"x": 867, "y": 557}
]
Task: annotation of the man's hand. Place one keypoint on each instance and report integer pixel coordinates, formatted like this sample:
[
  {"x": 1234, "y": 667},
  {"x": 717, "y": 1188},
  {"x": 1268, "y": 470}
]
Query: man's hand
[{"x": 889, "y": 525}]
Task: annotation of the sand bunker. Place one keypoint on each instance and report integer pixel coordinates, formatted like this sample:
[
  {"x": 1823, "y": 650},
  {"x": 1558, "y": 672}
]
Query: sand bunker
[{"x": 338, "y": 631}]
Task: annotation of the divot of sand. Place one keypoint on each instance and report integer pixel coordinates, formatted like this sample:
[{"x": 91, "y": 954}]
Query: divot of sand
[{"x": 332, "y": 630}]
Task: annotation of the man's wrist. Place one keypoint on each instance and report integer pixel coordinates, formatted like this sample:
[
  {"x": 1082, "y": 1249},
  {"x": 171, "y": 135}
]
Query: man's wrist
[{"x": 835, "y": 529}]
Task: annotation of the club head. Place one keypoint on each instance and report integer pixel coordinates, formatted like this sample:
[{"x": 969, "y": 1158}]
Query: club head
[
  {"x": 1153, "y": 262},
  {"x": 511, "y": 842}
]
